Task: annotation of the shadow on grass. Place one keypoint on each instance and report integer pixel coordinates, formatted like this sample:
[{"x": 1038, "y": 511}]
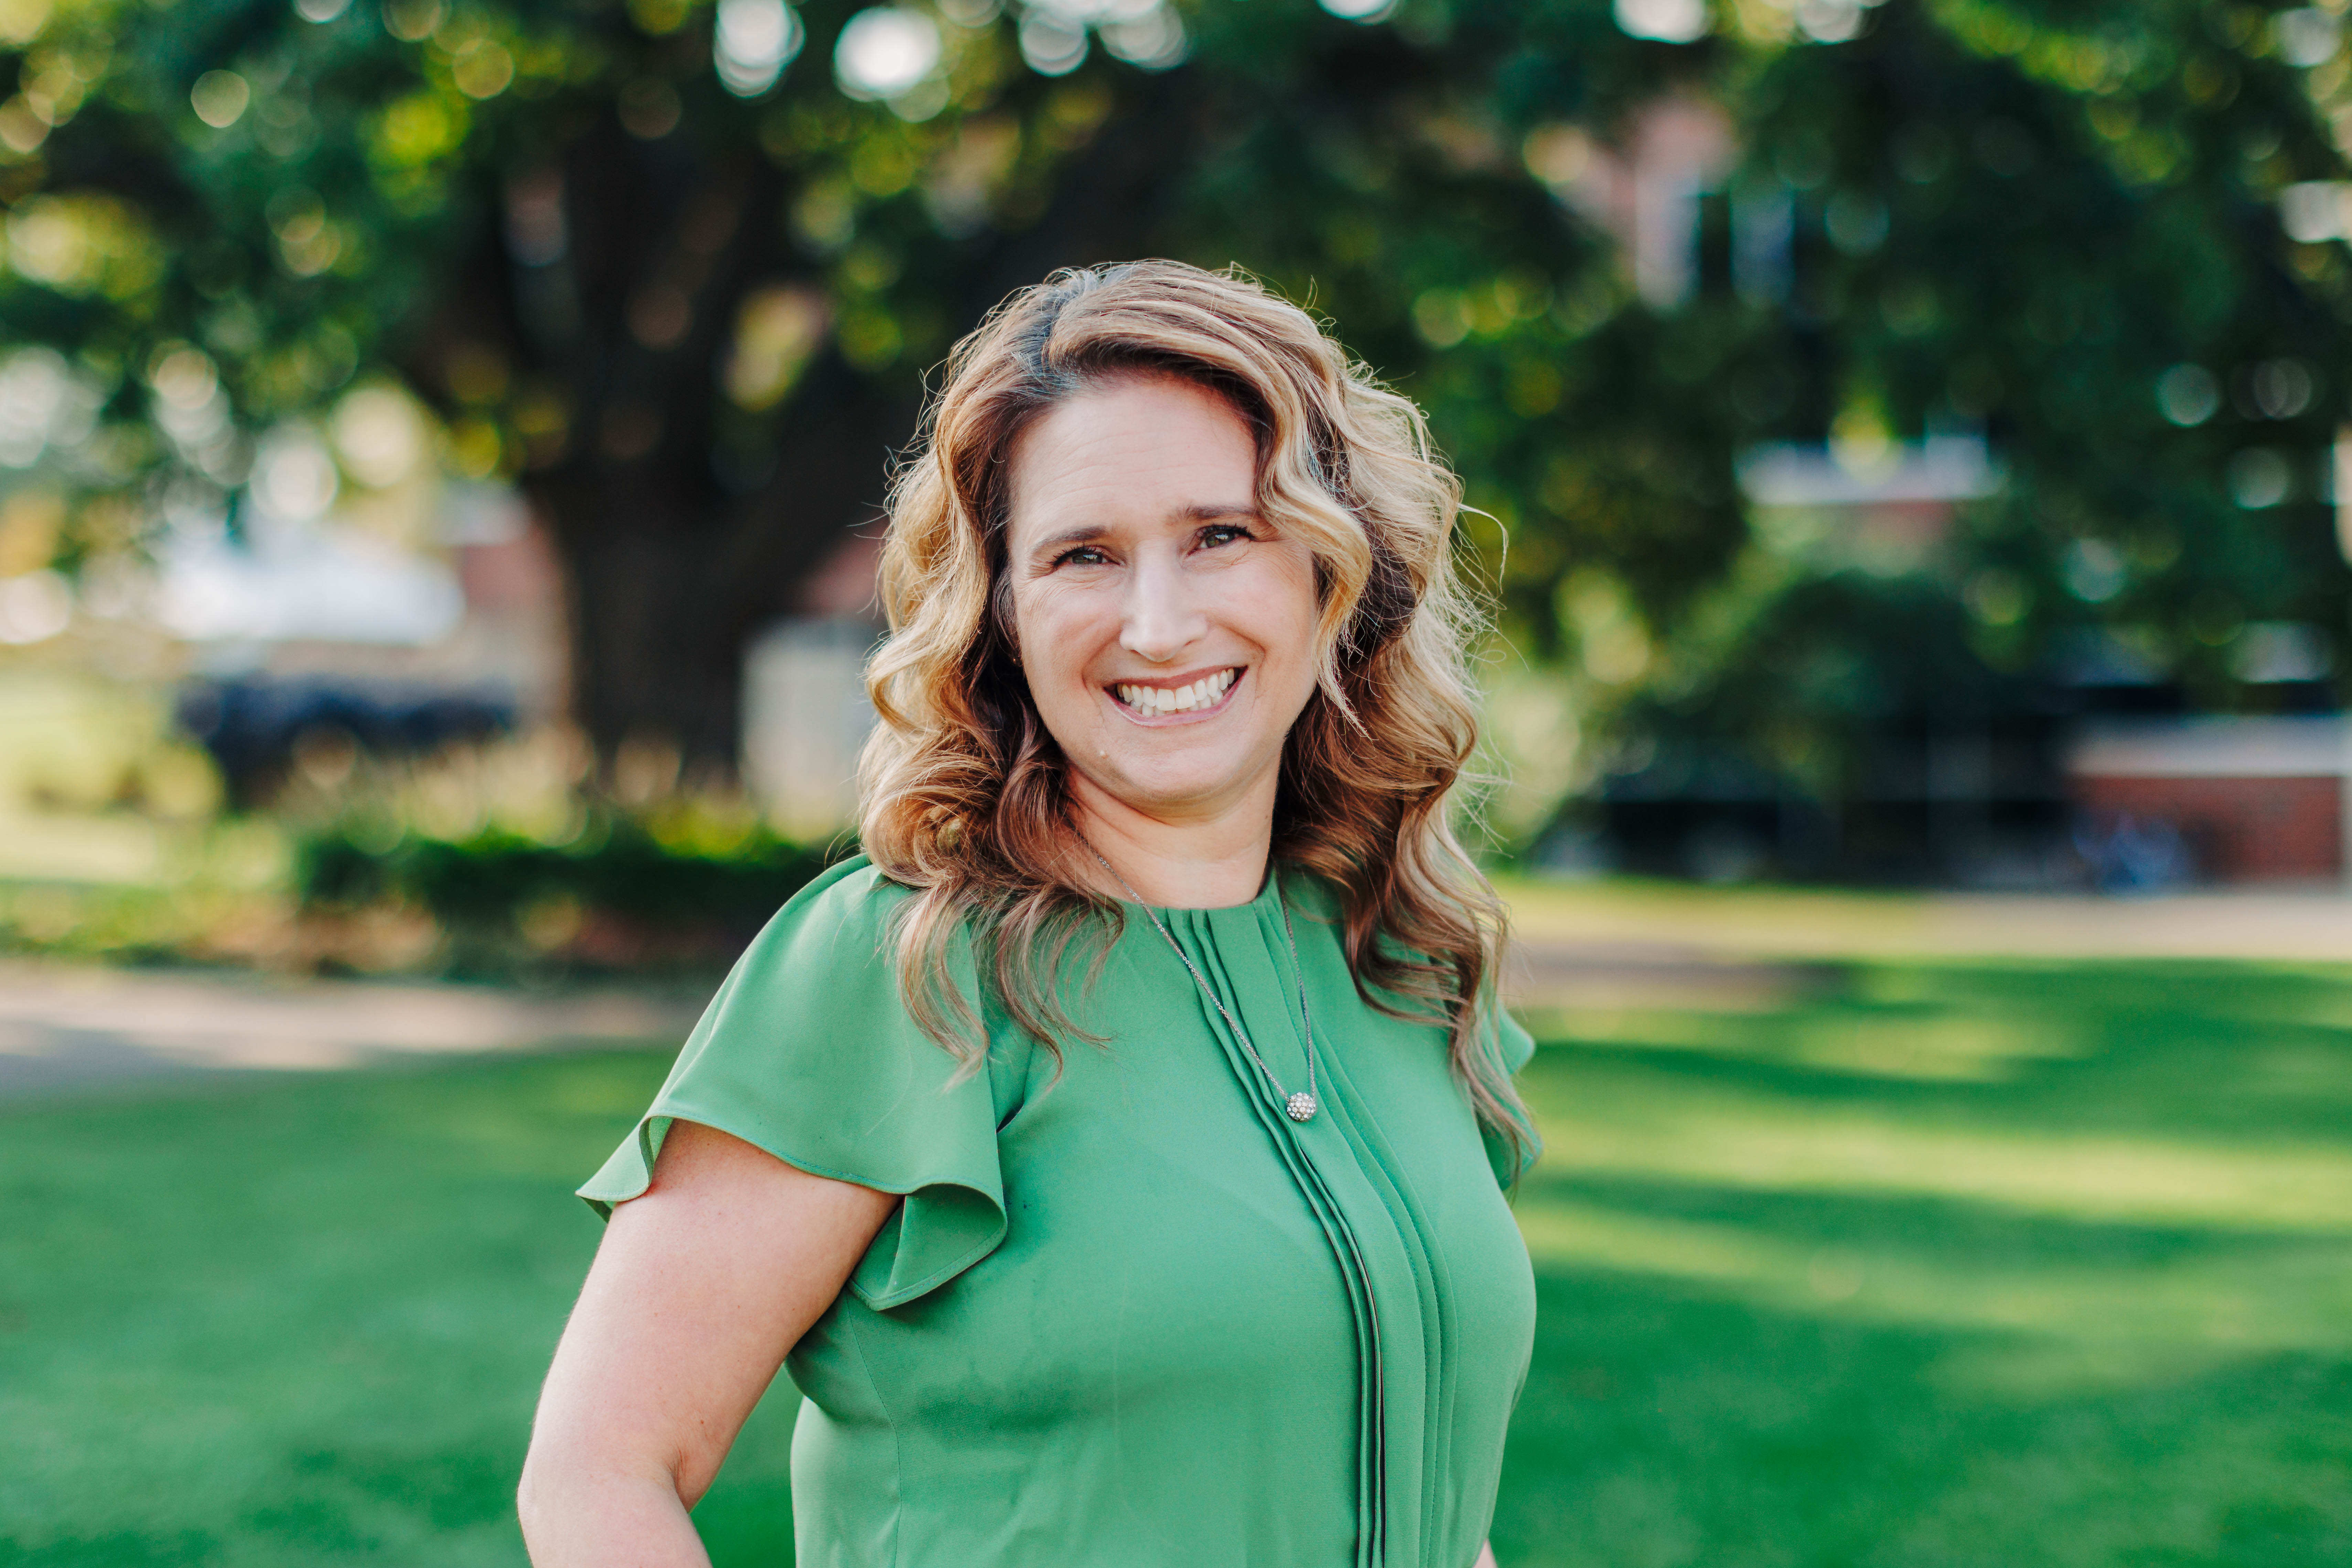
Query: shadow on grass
[
  {"x": 1667, "y": 1425},
  {"x": 1952, "y": 1265},
  {"x": 306, "y": 1320},
  {"x": 2008, "y": 1266}
]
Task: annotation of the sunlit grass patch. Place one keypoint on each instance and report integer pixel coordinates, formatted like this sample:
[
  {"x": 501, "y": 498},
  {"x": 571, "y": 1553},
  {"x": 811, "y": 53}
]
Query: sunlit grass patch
[
  {"x": 1811, "y": 1294},
  {"x": 305, "y": 1323},
  {"x": 2086, "y": 1305},
  {"x": 1768, "y": 1143},
  {"x": 1880, "y": 1042},
  {"x": 2162, "y": 1310}
]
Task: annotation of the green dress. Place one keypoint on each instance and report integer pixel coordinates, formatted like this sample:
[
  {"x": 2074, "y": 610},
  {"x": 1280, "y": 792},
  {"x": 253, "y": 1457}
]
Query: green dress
[{"x": 1134, "y": 1317}]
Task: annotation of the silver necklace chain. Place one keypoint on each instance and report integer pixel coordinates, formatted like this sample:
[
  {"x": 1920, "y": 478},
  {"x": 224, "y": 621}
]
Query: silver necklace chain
[{"x": 1298, "y": 1107}]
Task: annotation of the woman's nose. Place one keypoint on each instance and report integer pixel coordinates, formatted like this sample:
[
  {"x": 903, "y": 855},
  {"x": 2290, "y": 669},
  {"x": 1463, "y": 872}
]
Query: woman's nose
[{"x": 1161, "y": 617}]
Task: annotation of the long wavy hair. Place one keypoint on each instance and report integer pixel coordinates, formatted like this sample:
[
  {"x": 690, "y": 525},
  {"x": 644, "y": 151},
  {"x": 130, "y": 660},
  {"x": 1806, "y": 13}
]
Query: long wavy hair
[{"x": 964, "y": 794}]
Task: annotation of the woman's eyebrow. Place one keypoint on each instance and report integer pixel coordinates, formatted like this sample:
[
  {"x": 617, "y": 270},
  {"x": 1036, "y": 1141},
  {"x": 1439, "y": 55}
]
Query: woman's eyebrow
[
  {"x": 1217, "y": 511},
  {"x": 1055, "y": 543}
]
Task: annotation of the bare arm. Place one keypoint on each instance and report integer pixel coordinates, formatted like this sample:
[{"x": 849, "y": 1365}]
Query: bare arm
[
  {"x": 1486, "y": 1556},
  {"x": 700, "y": 1288}
]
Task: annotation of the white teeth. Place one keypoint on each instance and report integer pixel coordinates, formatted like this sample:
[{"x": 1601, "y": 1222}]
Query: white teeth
[{"x": 1153, "y": 700}]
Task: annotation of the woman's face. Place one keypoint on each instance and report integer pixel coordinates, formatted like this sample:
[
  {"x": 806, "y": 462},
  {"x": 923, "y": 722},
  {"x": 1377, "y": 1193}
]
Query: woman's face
[{"x": 1166, "y": 631}]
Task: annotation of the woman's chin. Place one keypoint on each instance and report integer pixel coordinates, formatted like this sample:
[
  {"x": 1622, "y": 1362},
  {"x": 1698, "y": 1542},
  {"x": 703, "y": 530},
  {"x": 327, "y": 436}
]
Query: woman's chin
[{"x": 1194, "y": 787}]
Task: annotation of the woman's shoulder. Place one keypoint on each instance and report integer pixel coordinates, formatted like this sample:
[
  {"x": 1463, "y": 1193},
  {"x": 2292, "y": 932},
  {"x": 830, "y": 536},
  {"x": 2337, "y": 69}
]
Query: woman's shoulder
[
  {"x": 835, "y": 953},
  {"x": 813, "y": 1007},
  {"x": 852, "y": 891},
  {"x": 844, "y": 912},
  {"x": 825, "y": 951},
  {"x": 808, "y": 1052}
]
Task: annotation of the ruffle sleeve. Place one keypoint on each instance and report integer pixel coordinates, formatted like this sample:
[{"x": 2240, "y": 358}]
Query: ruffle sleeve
[{"x": 808, "y": 1052}]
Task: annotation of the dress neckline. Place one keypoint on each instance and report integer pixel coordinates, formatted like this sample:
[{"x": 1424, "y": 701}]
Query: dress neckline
[{"x": 1268, "y": 894}]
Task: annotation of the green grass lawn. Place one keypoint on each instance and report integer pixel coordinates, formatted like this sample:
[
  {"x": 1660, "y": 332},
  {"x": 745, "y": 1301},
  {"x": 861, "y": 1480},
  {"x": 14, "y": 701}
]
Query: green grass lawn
[{"x": 1898, "y": 1265}]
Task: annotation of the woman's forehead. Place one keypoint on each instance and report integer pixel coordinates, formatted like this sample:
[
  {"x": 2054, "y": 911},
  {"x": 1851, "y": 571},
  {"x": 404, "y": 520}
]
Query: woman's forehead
[{"x": 1131, "y": 454}]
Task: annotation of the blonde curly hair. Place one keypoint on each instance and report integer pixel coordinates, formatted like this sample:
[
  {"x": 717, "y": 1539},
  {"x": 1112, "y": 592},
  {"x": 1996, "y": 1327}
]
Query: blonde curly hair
[{"x": 964, "y": 798}]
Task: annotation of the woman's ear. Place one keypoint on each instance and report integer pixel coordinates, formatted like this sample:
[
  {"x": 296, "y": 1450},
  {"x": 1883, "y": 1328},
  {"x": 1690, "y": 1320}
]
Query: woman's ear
[{"x": 999, "y": 610}]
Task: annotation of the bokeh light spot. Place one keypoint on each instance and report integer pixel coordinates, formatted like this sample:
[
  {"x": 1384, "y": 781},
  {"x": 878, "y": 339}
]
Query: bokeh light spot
[
  {"x": 2188, "y": 395},
  {"x": 1663, "y": 21},
  {"x": 219, "y": 98},
  {"x": 884, "y": 50},
  {"x": 752, "y": 43}
]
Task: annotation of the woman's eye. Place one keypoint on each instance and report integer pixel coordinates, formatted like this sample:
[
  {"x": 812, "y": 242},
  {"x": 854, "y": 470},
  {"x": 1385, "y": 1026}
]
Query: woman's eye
[
  {"x": 1224, "y": 533},
  {"x": 1083, "y": 556}
]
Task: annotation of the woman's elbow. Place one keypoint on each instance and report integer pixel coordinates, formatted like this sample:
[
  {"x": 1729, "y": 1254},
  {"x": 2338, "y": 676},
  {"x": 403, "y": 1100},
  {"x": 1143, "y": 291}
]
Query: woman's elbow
[
  {"x": 536, "y": 1495},
  {"x": 579, "y": 1498},
  {"x": 561, "y": 1495}
]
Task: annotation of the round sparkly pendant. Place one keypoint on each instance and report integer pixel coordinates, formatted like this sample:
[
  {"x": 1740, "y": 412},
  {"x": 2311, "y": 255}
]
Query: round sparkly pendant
[{"x": 1301, "y": 1107}]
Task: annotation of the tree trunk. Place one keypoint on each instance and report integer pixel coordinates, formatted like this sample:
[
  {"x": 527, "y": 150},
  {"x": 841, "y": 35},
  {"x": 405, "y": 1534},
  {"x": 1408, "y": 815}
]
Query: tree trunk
[
  {"x": 671, "y": 568},
  {"x": 665, "y": 595}
]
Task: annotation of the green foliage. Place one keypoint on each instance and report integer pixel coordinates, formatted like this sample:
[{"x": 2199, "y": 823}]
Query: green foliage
[
  {"x": 617, "y": 894},
  {"x": 691, "y": 319},
  {"x": 2057, "y": 226},
  {"x": 2023, "y": 221},
  {"x": 1817, "y": 690}
]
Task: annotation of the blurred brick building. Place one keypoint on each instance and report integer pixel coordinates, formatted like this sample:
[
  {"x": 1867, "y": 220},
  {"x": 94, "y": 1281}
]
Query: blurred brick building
[{"x": 2254, "y": 799}]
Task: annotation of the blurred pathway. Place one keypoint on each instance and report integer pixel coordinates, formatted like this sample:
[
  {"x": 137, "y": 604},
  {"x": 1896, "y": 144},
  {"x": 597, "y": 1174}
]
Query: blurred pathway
[
  {"x": 80, "y": 1029},
  {"x": 1623, "y": 944},
  {"x": 1665, "y": 920}
]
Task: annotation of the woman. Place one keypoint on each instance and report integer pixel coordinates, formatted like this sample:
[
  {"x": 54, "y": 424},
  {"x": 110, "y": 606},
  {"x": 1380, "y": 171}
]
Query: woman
[{"x": 1115, "y": 1158}]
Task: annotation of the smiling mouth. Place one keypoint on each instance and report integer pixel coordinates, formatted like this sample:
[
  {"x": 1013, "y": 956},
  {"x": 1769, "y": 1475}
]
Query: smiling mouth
[{"x": 1164, "y": 701}]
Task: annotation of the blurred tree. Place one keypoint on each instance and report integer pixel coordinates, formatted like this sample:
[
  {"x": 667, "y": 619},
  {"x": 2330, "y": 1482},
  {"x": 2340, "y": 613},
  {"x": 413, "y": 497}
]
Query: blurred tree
[
  {"x": 686, "y": 304},
  {"x": 2060, "y": 228},
  {"x": 676, "y": 267}
]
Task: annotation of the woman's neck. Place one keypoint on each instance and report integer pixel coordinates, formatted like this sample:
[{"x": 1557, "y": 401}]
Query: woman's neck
[{"x": 1208, "y": 862}]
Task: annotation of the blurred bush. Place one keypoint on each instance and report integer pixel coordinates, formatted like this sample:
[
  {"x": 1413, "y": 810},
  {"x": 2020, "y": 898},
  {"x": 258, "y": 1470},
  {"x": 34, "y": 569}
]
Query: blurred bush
[{"x": 628, "y": 893}]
